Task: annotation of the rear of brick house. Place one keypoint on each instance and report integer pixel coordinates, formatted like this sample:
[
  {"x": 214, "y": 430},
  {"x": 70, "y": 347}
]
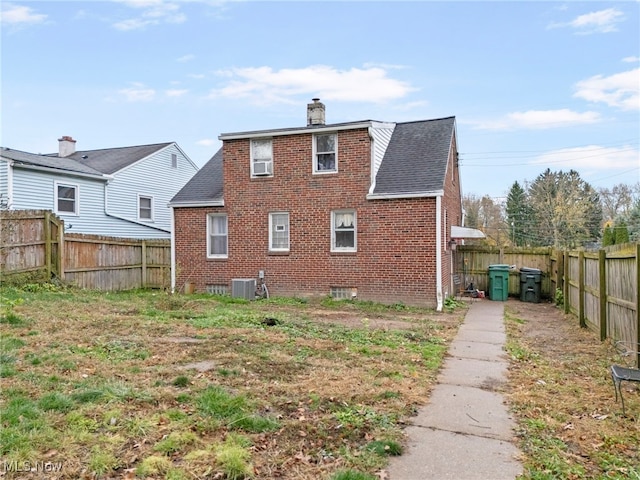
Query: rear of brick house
[{"x": 358, "y": 209}]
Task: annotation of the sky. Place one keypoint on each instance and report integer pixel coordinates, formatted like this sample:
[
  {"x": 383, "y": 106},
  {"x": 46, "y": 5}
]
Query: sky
[{"x": 533, "y": 85}]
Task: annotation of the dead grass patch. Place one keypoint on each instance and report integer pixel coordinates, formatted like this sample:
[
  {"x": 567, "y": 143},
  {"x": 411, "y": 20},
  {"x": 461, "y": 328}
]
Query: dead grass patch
[
  {"x": 563, "y": 398},
  {"x": 110, "y": 385}
]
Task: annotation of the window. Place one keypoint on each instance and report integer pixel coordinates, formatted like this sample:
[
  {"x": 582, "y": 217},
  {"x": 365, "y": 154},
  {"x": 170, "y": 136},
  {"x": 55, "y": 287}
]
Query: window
[
  {"x": 343, "y": 231},
  {"x": 174, "y": 160},
  {"x": 279, "y": 232},
  {"x": 66, "y": 199},
  {"x": 325, "y": 153},
  {"x": 217, "y": 236},
  {"x": 261, "y": 157},
  {"x": 145, "y": 208}
]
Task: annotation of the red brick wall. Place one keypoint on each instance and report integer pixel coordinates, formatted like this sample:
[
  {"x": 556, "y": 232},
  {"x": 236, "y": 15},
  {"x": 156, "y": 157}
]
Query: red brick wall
[{"x": 395, "y": 259}]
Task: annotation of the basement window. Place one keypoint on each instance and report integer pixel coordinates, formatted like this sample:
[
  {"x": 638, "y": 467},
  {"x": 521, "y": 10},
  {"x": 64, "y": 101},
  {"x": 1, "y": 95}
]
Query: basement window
[
  {"x": 343, "y": 293},
  {"x": 217, "y": 289}
]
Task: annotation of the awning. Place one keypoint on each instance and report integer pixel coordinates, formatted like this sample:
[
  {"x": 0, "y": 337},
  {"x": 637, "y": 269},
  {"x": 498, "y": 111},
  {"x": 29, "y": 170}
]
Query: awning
[{"x": 466, "y": 232}]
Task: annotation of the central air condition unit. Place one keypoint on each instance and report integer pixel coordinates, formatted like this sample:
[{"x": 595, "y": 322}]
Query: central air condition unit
[
  {"x": 262, "y": 168},
  {"x": 243, "y": 288}
]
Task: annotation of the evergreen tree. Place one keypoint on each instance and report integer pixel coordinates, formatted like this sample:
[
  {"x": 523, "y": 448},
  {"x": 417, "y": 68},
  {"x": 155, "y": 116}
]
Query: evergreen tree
[
  {"x": 621, "y": 233},
  {"x": 519, "y": 216},
  {"x": 607, "y": 237}
]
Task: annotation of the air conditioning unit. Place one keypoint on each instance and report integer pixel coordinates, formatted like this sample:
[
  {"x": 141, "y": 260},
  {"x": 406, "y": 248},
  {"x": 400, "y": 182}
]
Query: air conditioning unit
[
  {"x": 243, "y": 288},
  {"x": 262, "y": 168}
]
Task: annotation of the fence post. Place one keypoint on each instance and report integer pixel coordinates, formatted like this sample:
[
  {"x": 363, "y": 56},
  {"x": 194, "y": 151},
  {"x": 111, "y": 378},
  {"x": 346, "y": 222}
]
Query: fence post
[
  {"x": 566, "y": 282},
  {"x": 48, "y": 251},
  {"x": 581, "y": 289},
  {"x": 602, "y": 271},
  {"x": 143, "y": 246},
  {"x": 637, "y": 302},
  {"x": 559, "y": 272}
]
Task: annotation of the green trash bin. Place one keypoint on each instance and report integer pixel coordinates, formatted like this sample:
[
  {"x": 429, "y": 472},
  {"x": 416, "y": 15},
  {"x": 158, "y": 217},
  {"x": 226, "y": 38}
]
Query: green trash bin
[
  {"x": 499, "y": 282},
  {"x": 530, "y": 284}
]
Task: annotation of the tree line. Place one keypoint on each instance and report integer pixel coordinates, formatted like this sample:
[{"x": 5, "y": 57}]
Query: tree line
[{"x": 558, "y": 209}]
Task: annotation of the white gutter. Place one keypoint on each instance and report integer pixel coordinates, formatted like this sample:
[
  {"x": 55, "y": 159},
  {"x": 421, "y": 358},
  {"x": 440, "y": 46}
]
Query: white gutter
[
  {"x": 276, "y": 133},
  {"x": 207, "y": 203},
  {"x": 387, "y": 196},
  {"x": 60, "y": 171},
  {"x": 439, "y": 253}
]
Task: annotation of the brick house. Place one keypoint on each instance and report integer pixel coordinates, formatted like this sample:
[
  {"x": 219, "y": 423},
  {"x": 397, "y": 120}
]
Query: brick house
[{"x": 359, "y": 209}]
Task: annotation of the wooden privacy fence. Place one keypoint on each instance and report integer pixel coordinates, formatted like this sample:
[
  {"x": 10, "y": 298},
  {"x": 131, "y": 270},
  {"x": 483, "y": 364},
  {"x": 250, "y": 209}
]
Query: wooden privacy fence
[
  {"x": 599, "y": 287},
  {"x": 34, "y": 247}
]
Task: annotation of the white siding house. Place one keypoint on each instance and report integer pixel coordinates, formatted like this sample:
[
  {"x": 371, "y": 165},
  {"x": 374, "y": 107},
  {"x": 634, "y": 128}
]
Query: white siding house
[{"x": 121, "y": 192}]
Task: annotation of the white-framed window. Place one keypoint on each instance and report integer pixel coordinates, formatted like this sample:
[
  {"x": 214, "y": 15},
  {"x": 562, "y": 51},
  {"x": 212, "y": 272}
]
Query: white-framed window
[
  {"x": 261, "y": 157},
  {"x": 279, "y": 232},
  {"x": 67, "y": 199},
  {"x": 325, "y": 153},
  {"x": 174, "y": 160},
  {"x": 343, "y": 231},
  {"x": 217, "y": 236},
  {"x": 145, "y": 208}
]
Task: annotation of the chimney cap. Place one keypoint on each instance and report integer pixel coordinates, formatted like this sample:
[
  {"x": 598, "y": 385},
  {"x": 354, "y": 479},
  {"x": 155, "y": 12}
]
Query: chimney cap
[{"x": 66, "y": 138}]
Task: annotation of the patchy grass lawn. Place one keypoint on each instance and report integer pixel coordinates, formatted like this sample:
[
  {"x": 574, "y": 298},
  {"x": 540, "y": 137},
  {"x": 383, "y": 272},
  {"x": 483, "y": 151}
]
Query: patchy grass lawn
[
  {"x": 562, "y": 395},
  {"x": 150, "y": 385}
]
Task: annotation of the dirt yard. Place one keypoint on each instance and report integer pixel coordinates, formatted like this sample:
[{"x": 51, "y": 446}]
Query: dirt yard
[{"x": 561, "y": 392}]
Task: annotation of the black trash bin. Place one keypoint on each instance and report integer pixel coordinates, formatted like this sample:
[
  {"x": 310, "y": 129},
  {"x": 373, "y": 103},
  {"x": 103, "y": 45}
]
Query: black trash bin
[{"x": 530, "y": 284}]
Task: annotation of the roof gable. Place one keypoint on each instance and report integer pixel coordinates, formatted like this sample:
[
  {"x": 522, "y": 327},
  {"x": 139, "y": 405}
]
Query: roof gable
[
  {"x": 205, "y": 187},
  {"x": 415, "y": 161}
]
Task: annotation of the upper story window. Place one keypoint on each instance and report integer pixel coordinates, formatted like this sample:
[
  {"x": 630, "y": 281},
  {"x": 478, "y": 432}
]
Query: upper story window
[
  {"x": 66, "y": 199},
  {"x": 217, "y": 236},
  {"x": 325, "y": 153},
  {"x": 174, "y": 160},
  {"x": 279, "y": 232},
  {"x": 343, "y": 231},
  {"x": 145, "y": 208},
  {"x": 261, "y": 157}
]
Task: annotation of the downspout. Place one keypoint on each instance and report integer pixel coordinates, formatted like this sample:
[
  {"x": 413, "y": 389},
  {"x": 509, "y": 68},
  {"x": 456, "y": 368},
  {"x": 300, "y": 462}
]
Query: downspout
[
  {"x": 10, "y": 185},
  {"x": 439, "y": 253},
  {"x": 173, "y": 250}
]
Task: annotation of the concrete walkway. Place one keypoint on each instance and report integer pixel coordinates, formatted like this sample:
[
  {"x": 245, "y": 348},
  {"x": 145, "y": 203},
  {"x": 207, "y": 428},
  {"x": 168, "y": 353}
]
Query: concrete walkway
[{"x": 465, "y": 432}]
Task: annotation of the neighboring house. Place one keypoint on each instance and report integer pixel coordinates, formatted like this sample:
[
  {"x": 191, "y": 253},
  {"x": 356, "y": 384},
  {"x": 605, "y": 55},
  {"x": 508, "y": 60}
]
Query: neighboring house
[
  {"x": 120, "y": 192},
  {"x": 359, "y": 209}
]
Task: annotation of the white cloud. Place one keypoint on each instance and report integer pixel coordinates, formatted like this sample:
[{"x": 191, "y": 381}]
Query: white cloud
[
  {"x": 592, "y": 157},
  {"x": 631, "y": 59},
  {"x": 176, "y": 92},
  {"x": 602, "y": 21},
  {"x": 539, "y": 119},
  {"x": 186, "y": 58},
  {"x": 153, "y": 12},
  {"x": 138, "y": 93},
  {"x": 621, "y": 90},
  {"x": 265, "y": 85},
  {"x": 207, "y": 142},
  {"x": 19, "y": 15},
  {"x": 197, "y": 76}
]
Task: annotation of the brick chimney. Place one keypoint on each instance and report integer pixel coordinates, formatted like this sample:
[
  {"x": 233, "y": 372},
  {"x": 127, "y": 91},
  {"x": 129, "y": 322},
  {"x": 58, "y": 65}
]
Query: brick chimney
[
  {"x": 315, "y": 112},
  {"x": 66, "y": 146}
]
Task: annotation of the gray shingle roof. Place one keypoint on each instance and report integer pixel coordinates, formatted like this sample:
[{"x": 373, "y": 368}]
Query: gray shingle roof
[
  {"x": 110, "y": 160},
  {"x": 94, "y": 162},
  {"x": 65, "y": 164},
  {"x": 206, "y": 186},
  {"x": 416, "y": 159}
]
